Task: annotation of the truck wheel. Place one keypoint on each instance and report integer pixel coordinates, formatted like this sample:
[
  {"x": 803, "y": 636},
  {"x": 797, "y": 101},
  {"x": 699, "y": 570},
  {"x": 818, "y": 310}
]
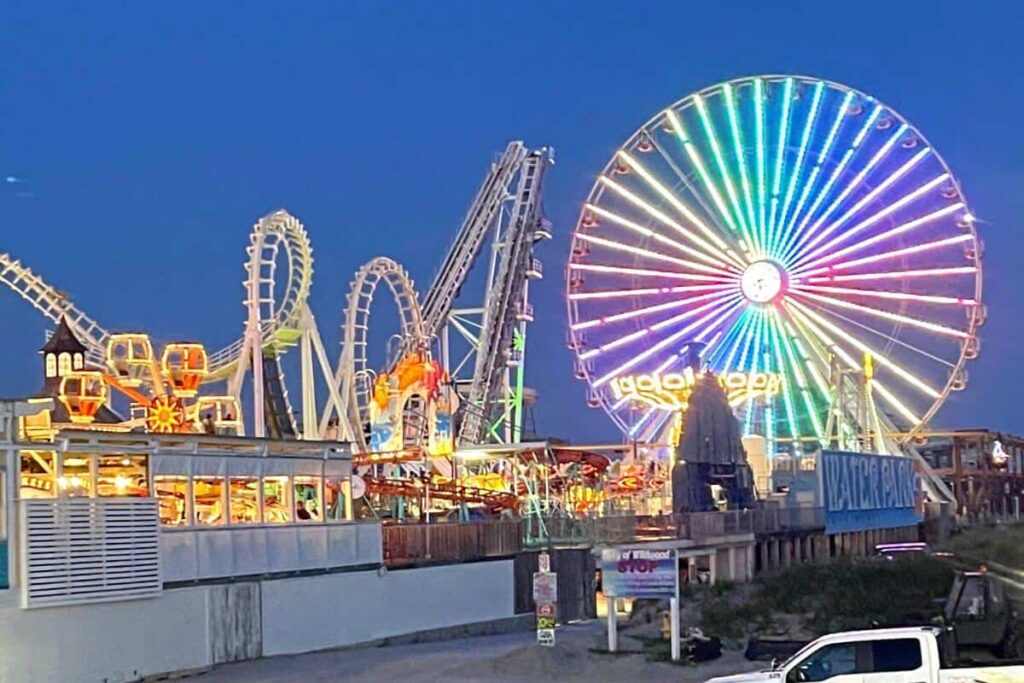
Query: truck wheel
[{"x": 1013, "y": 644}]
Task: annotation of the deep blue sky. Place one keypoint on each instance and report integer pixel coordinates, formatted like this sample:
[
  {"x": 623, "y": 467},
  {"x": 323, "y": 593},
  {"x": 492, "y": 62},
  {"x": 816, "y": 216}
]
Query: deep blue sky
[{"x": 150, "y": 138}]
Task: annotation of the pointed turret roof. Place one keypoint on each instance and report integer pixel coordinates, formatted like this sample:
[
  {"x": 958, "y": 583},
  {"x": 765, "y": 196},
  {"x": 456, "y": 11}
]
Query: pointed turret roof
[{"x": 63, "y": 340}]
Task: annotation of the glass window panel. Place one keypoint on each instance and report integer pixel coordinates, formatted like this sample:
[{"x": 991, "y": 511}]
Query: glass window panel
[
  {"x": 37, "y": 480},
  {"x": 76, "y": 477},
  {"x": 172, "y": 493},
  {"x": 122, "y": 475},
  {"x": 307, "y": 499},
  {"x": 245, "y": 500},
  {"x": 277, "y": 507},
  {"x": 336, "y": 491},
  {"x": 903, "y": 654},
  {"x": 208, "y": 500}
]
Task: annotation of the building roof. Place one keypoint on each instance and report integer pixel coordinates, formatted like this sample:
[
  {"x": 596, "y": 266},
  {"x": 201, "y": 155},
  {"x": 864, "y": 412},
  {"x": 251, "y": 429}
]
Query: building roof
[{"x": 63, "y": 339}]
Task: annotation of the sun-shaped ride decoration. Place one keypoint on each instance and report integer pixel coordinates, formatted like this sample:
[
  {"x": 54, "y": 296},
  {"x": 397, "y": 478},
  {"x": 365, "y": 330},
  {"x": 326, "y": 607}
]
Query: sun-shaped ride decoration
[{"x": 798, "y": 238}]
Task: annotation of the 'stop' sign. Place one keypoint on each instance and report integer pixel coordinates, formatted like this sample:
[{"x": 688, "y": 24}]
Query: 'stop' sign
[
  {"x": 638, "y": 573},
  {"x": 868, "y": 491},
  {"x": 671, "y": 390}
]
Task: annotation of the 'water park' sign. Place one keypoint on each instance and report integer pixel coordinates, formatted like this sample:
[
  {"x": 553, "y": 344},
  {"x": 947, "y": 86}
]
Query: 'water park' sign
[{"x": 868, "y": 491}]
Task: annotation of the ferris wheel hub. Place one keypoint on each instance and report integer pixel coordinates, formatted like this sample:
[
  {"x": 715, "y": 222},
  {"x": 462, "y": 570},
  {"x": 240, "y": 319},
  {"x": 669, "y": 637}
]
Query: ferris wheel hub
[{"x": 763, "y": 282}]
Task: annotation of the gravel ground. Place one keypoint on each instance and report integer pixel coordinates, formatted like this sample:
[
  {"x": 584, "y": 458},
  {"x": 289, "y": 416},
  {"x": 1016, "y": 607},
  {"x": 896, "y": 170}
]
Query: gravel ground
[{"x": 509, "y": 658}]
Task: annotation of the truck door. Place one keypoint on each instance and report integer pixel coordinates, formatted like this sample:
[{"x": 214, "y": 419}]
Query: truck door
[
  {"x": 895, "y": 660},
  {"x": 835, "y": 663}
]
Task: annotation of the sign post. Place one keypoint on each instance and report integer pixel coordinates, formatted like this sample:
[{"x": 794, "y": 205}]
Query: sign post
[
  {"x": 545, "y": 597},
  {"x": 640, "y": 573}
]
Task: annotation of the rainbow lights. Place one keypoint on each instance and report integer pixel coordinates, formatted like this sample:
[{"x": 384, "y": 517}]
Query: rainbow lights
[{"x": 776, "y": 226}]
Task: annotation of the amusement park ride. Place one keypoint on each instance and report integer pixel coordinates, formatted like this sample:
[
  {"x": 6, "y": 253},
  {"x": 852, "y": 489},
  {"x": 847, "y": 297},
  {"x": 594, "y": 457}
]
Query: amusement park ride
[{"x": 796, "y": 238}]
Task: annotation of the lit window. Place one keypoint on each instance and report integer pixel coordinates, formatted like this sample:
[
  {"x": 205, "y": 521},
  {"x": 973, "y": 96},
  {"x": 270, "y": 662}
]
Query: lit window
[
  {"x": 245, "y": 502},
  {"x": 37, "y": 480},
  {"x": 208, "y": 500},
  {"x": 172, "y": 492},
  {"x": 277, "y": 507},
  {"x": 79, "y": 363},
  {"x": 64, "y": 364},
  {"x": 122, "y": 475},
  {"x": 51, "y": 365},
  {"x": 76, "y": 476},
  {"x": 336, "y": 491},
  {"x": 307, "y": 499}
]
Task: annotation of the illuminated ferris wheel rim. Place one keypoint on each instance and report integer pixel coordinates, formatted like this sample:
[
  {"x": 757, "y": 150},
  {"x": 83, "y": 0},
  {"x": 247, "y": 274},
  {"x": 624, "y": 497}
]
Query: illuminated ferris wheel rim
[{"x": 742, "y": 265}]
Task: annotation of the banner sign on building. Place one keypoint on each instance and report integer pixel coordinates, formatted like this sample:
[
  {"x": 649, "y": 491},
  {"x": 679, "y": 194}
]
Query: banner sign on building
[
  {"x": 636, "y": 573},
  {"x": 868, "y": 491}
]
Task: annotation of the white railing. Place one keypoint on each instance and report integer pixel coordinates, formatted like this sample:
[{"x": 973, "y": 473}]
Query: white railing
[
  {"x": 199, "y": 554},
  {"x": 82, "y": 550}
]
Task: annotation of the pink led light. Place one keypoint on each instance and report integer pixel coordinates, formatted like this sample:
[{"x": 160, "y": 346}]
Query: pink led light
[
  {"x": 879, "y": 294},
  {"x": 622, "y": 270},
  {"x": 887, "y": 315},
  {"x": 896, "y": 253},
  {"x": 899, "y": 229},
  {"x": 647, "y": 291},
  {"x": 587, "y": 324},
  {"x": 896, "y": 274},
  {"x": 611, "y": 244}
]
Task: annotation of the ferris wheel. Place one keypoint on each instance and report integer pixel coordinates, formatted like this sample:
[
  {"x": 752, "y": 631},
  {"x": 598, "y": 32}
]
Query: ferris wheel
[{"x": 795, "y": 236}]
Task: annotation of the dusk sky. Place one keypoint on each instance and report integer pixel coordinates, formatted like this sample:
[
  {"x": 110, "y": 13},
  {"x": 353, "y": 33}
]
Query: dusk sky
[{"x": 139, "y": 142}]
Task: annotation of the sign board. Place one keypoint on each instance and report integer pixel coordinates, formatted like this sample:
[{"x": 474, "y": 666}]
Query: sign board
[
  {"x": 546, "y": 637},
  {"x": 544, "y": 563},
  {"x": 545, "y": 587},
  {"x": 868, "y": 491},
  {"x": 358, "y": 487},
  {"x": 638, "y": 573},
  {"x": 546, "y": 609}
]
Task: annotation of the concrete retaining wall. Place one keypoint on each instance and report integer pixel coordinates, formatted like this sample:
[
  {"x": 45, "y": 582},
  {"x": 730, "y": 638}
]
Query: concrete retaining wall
[{"x": 196, "y": 627}]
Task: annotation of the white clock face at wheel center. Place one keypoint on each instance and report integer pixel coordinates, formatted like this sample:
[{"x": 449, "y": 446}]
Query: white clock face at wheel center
[{"x": 761, "y": 282}]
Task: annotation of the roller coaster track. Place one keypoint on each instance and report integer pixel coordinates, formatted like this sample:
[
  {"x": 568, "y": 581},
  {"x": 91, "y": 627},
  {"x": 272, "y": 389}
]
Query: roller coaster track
[
  {"x": 495, "y": 352},
  {"x": 494, "y": 191},
  {"x": 353, "y": 374},
  {"x": 54, "y": 305}
]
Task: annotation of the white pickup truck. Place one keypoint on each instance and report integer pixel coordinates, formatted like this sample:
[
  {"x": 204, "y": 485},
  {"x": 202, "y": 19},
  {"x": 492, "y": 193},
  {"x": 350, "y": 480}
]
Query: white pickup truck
[{"x": 893, "y": 655}]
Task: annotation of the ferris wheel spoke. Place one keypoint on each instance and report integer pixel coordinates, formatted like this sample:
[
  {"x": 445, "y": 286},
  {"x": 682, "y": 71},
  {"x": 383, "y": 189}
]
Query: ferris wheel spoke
[
  {"x": 883, "y": 391},
  {"x": 883, "y": 360},
  {"x": 801, "y": 340},
  {"x": 733, "y": 339},
  {"x": 809, "y": 252},
  {"x": 881, "y": 237},
  {"x": 897, "y": 274},
  {"x": 856, "y": 182},
  {"x": 648, "y": 272},
  {"x": 826, "y": 190},
  {"x": 891, "y": 295},
  {"x": 670, "y": 339},
  {"x": 716, "y": 149},
  {"x": 889, "y": 338},
  {"x": 647, "y": 253},
  {"x": 647, "y": 232},
  {"x": 647, "y": 291},
  {"x": 753, "y": 341},
  {"x": 738, "y": 150},
  {"x": 646, "y": 310},
  {"x": 794, "y": 176},
  {"x": 887, "y": 256},
  {"x": 637, "y": 334},
  {"x": 789, "y": 233},
  {"x": 722, "y": 248},
  {"x": 780, "y": 156},
  {"x": 783, "y": 340},
  {"x": 676, "y": 124},
  {"x": 886, "y": 315},
  {"x": 754, "y": 364}
]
